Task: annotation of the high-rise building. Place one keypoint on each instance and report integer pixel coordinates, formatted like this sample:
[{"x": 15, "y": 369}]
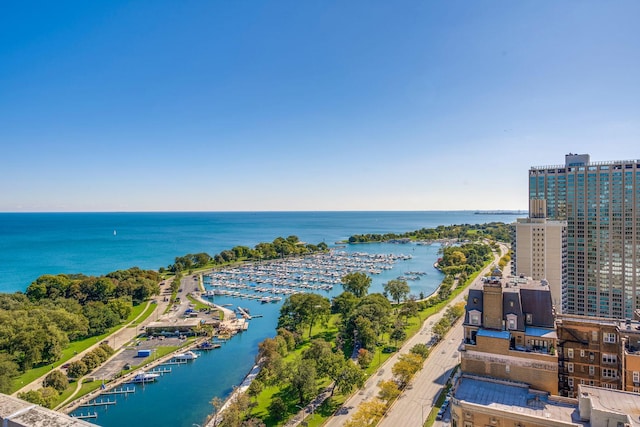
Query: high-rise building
[
  {"x": 540, "y": 252},
  {"x": 600, "y": 202}
]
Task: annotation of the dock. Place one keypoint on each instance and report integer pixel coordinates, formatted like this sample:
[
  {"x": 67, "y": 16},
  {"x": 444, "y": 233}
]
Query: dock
[
  {"x": 160, "y": 370},
  {"x": 86, "y": 416},
  {"x": 124, "y": 391},
  {"x": 98, "y": 403},
  {"x": 244, "y": 313}
]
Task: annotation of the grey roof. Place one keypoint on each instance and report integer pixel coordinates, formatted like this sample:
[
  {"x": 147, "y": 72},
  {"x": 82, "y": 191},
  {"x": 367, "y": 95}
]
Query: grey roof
[
  {"x": 538, "y": 303},
  {"x": 21, "y": 413},
  {"x": 474, "y": 302},
  {"x": 511, "y": 305},
  {"x": 515, "y": 398}
]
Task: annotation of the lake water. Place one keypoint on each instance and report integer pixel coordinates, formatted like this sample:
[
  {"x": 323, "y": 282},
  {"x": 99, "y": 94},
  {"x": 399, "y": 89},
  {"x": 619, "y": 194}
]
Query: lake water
[{"x": 97, "y": 243}]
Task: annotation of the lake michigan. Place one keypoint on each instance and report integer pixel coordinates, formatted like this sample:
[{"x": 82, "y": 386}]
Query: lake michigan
[{"x": 32, "y": 244}]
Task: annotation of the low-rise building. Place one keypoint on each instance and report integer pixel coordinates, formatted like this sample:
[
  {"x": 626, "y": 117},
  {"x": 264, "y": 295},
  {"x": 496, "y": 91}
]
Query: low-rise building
[
  {"x": 481, "y": 401},
  {"x": 509, "y": 332}
]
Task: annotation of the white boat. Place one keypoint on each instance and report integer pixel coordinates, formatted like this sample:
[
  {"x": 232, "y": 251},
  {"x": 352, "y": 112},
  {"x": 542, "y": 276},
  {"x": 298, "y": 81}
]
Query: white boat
[
  {"x": 189, "y": 355},
  {"x": 144, "y": 377}
]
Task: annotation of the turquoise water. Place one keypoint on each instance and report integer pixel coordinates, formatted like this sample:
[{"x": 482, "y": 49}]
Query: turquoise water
[{"x": 35, "y": 244}]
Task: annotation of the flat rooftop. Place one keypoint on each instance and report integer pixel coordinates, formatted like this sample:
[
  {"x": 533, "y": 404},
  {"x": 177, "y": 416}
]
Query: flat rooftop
[
  {"x": 516, "y": 398},
  {"x": 613, "y": 401},
  {"x": 18, "y": 412}
]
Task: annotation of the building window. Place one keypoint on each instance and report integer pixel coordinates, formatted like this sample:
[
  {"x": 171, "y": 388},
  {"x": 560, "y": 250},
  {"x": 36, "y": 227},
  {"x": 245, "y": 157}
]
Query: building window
[
  {"x": 636, "y": 376},
  {"x": 529, "y": 318},
  {"x": 609, "y": 373},
  {"x": 570, "y": 367},
  {"x": 581, "y": 353},
  {"x": 594, "y": 336},
  {"x": 609, "y": 358},
  {"x": 592, "y": 370},
  {"x": 570, "y": 382},
  {"x": 570, "y": 353},
  {"x": 475, "y": 319},
  {"x": 609, "y": 337}
]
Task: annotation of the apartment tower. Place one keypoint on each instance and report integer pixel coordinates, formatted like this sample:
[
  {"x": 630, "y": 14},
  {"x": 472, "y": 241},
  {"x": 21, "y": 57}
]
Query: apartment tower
[
  {"x": 540, "y": 251},
  {"x": 600, "y": 202}
]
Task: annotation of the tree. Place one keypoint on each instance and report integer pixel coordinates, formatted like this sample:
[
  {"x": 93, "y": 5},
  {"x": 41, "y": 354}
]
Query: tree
[
  {"x": 77, "y": 369},
  {"x": 368, "y": 414},
  {"x": 217, "y": 404},
  {"x": 388, "y": 390},
  {"x": 255, "y": 388},
  {"x": 8, "y": 370},
  {"x": 409, "y": 309},
  {"x": 357, "y": 283},
  {"x": 406, "y": 367},
  {"x": 365, "y": 357},
  {"x": 303, "y": 379},
  {"x": 344, "y": 304},
  {"x": 397, "y": 288},
  {"x": 347, "y": 377},
  {"x": 277, "y": 408},
  {"x": 421, "y": 350},
  {"x": 301, "y": 310},
  {"x": 57, "y": 380},
  {"x": 398, "y": 333}
]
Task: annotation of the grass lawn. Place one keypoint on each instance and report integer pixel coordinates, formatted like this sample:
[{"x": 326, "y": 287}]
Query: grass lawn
[{"x": 74, "y": 348}]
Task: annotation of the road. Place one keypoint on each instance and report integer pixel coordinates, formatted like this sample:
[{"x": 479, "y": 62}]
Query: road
[{"x": 416, "y": 402}]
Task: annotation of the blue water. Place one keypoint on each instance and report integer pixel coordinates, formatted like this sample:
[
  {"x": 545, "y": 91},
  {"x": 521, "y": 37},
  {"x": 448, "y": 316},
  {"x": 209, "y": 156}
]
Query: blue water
[{"x": 50, "y": 243}]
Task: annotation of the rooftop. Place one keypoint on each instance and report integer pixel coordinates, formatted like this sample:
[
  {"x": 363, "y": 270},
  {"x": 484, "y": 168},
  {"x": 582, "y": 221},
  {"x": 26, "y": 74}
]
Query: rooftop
[
  {"x": 22, "y": 413},
  {"x": 517, "y": 399},
  {"x": 613, "y": 402}
]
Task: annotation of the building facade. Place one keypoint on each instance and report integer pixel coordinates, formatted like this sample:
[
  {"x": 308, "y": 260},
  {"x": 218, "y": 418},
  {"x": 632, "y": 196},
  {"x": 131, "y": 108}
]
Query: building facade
[
  {"x": 539, "y": 248},
  {"x": 509, "y": 333},
  {"x": 600, "y": 201}
]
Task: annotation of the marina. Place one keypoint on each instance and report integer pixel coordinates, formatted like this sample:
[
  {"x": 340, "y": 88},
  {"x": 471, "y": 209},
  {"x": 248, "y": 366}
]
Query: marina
[
  {"x": 216, "y": 372},
  {"x": 269, "y": 282}
]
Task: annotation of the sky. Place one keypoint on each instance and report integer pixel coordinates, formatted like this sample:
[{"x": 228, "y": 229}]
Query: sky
[{"x": 289, "y": 105}]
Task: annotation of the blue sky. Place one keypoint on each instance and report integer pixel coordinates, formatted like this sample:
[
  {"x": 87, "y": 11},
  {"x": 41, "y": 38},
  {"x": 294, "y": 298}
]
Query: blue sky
[{"x": 222, "y": 105}]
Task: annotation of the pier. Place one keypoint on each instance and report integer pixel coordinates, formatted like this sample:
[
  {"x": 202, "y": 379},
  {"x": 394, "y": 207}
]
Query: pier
[
  {"x": 244, "y": 313},
  {"x": 125, "y": 391},
  {"x": 98, "y": 403},
  {"x": 86, "y": 416}
]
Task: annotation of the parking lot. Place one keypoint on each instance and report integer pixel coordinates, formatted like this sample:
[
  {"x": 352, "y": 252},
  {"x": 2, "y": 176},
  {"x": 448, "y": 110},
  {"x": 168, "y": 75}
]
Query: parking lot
[{"x": 129, "y": 355}]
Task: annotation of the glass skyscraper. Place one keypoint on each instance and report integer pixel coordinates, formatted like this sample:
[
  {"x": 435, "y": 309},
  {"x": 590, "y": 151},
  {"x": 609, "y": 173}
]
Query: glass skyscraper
[{"x": 600, "y": 201}]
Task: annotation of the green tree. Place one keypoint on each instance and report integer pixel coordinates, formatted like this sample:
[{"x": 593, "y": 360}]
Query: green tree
[
  {"x": 57, "y": 380},
  {"x": 344, "y": 304},
  {"x": 398, "y": 289},
  {"x": 255, "y": 388},
  {"x": 277, "y": 408},
  {"x": 303, "y": 379},
  {"x": 301, "y": 310},
  {"x": 357, "y": 283},
  {"x": 347, "y": 377},
  {"x": 8, "y": 370},
  {"x": 365, "y": 357},
  {"x": 398, "y": 333},
  {"x": 77, "y": 369},
  {"x": 421, "y": 350}
]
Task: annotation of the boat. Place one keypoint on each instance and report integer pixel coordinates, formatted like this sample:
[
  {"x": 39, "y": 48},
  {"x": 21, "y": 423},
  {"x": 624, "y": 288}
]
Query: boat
[
  {"x": 207, "y": 345},
  {"x": 144, "y": 377},
  {"x": 189, "y": 355}
]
